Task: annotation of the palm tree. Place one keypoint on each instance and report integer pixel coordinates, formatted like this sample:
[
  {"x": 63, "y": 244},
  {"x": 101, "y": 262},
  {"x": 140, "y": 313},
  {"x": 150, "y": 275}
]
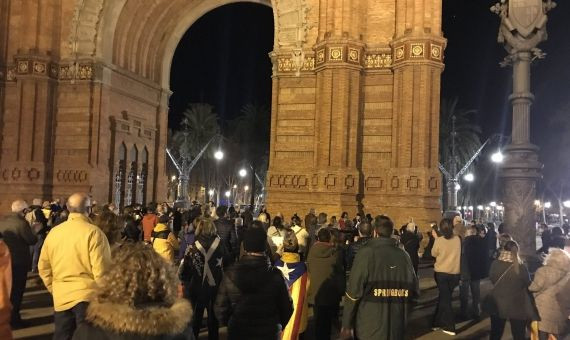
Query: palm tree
[
  {"x": 465, "y": 134},
  {"x": 459, "y": 136},
  {"x": 251, "y": 131},
  {"x": 199, "y": 125}
]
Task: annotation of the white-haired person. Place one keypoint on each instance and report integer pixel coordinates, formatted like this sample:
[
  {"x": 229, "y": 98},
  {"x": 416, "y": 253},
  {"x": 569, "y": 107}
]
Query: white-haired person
[
  {"x": 74, "y": 257},
  {"x": 18, "y": 236}
]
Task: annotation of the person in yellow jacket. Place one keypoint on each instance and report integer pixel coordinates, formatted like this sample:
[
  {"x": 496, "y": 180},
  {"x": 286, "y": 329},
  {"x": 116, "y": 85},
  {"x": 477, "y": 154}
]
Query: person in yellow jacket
[
  {"x": 74, "y": 257},
  {"x": 163, "y": 239}
]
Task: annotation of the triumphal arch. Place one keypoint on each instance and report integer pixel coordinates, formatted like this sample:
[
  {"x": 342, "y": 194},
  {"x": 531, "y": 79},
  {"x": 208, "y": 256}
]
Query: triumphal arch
[{"x": 84, "y": 87}]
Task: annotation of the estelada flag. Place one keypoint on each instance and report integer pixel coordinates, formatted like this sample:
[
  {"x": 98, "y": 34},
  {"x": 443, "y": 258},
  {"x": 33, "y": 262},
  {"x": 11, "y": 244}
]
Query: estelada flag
[{"x": 295, "y": 274}]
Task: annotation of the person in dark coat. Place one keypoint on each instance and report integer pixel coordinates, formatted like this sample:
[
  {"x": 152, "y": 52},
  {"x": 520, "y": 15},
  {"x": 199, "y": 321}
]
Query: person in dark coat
[
  {"x": 473, "y": 270},
  {"x": 491, "y": 239},
  {"x": 432, "y": 234},
  {"x": 381, "y": 288},
  {"x": 253, "y": 300},
  {"x": 365, "y": 235},
  {"x": 132, "y": 231},
  {"x": 510, "y": 298},
  {"x": 325, "y": 265},
  {"x": 136, "y": 300},
  {"x": 18, "y": 236},
  {"x": 176, "y": 221},
  {"x": 247, "y": 216},
  {"x": 410, "y": 239},
  {"x": 310, "y": 220},
  {"x": 545, "y": 237},
  {"x": 227, "y": 233},
  {"x": 201, "y": 273},
  {"x": 187, "y": 237}
]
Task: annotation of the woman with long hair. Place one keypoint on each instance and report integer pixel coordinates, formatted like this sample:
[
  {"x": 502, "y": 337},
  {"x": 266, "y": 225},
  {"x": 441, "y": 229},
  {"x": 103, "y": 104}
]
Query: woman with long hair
[
  {"x": 110, "y": 224},
  {"x": 275, "y": 235},
  {"x": 510, "y": 298},
  {"x": 447, "y": 253},
  {"x": 201, "y": 273},
  {"x": 136, "y": 299}
]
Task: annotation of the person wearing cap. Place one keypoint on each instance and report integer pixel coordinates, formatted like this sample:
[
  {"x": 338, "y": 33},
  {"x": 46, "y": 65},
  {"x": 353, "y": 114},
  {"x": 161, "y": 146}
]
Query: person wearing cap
[
  {"x": 73, "y": 260},
  {"x": 18, "y": 236},
  {"x": 253, "y": 300}
]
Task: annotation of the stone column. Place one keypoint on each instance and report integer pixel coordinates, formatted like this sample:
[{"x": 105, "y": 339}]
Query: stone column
[{"x": 523, "y": 27}]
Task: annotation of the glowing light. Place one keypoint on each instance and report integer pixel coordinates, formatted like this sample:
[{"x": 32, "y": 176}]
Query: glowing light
[
  {"x": 174, "y": 178},
  {"x": 497, "y": 157},
  {"x": 211, "y": 192},
  {"x": 469, "y": 177},
  {"x": 566, "y": 204},
  {"x": 246, "y": 188},
  {"x": 547, "y": 205},
  {"x": 480, "y": 207},
  {"x": 228, "y": 193},
  {"x": 493, "y": 204},
  {"x": 487, "y": 208},
  {"x": 243, "y": 172},
  {"x": 537, "y": 203},
  {"x": 471, "y": 207},
  {"x": 457, "y": 187},
  {"x": 235, "y": 186},
  {"x": 219, "y": 155}
]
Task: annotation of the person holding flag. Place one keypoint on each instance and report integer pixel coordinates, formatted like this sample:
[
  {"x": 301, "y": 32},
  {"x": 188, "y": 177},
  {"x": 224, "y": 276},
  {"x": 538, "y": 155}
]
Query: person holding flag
[{"x": 295, "y": 274}]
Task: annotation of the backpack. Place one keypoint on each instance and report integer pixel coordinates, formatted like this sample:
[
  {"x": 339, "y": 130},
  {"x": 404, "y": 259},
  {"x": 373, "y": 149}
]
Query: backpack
[{"x": 163, "y": 235}]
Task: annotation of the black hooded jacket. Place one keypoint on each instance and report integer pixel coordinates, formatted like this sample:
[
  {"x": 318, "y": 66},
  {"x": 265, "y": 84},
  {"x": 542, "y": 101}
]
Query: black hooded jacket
[{"x": 253, "y": 300}]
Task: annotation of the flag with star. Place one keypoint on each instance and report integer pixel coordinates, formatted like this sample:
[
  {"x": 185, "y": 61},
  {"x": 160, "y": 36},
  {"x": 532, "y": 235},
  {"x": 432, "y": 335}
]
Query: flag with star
[{"x": 295, "y": 274}]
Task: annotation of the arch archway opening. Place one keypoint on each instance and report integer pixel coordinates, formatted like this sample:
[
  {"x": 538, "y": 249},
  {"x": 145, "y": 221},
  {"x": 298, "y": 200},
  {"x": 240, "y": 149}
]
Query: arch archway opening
[{"x": 221, "y": 71}]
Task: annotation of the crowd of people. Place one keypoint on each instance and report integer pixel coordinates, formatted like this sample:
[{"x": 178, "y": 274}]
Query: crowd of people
[{"x": 152, "y": 272}]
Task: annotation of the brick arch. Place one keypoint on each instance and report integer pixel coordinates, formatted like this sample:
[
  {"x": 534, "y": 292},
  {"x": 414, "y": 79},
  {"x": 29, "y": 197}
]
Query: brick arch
[{"x": 108, "y": 30}]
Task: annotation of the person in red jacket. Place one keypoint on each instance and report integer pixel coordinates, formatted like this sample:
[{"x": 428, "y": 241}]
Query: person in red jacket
[
  {"x": 149, "y": 221},
  {"x": 5, "y": 289}
]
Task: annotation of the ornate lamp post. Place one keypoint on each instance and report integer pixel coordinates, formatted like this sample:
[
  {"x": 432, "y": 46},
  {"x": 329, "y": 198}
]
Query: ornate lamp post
[{"x": 523, "y": 27}]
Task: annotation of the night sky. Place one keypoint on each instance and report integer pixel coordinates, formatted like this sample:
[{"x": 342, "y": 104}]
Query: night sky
[{"x": 223, "y": 60}]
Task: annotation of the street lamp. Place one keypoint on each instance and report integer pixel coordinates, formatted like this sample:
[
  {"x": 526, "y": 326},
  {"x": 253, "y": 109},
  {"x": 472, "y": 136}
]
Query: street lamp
[
  {"x": 243, "y": 173},
  {"x": 228, "y": 193},
  {"x": 493, "y": 204},
  {"x": 469, "y": 177},
  {"x": 537, "y": 203},
  {"x": 235, "y": 186},
  {"x": 211, "y": 192},
  {"x": 566, "y": 204},
  {"x": 497, "y": 157},
  {"x": 457, "y": 187},
  {"x": 547, "y": 205},
  {"x": 246, "y": 188},
  {"x": 174, "y": 178},
  {"x": 219, "y": 155},
  {"x": 479, "y": 207}
]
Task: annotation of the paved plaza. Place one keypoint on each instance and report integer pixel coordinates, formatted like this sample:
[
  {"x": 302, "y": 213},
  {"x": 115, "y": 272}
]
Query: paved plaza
[{"x": 38, "y": 311}]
